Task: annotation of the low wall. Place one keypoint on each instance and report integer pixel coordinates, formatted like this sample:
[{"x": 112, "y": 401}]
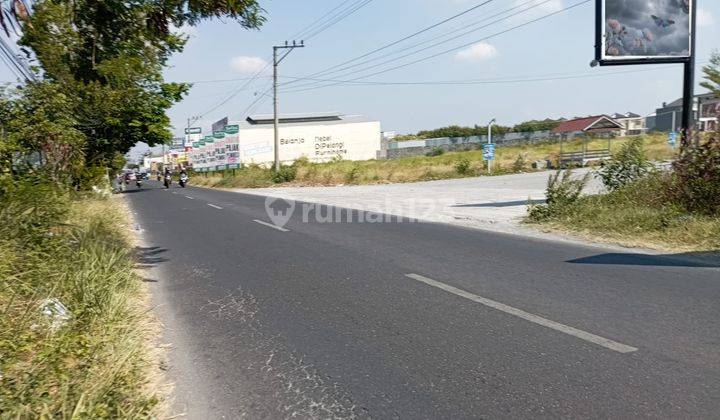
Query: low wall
[{"x": 399, "y": 149}]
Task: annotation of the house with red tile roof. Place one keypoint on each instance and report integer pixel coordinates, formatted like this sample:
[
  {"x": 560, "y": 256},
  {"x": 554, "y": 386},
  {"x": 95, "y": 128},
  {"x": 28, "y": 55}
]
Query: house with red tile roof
[{"x": 598, "y": 124}]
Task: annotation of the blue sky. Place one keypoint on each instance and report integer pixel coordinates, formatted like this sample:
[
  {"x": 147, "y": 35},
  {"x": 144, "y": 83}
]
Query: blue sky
[{"x": 559, "y": 45}]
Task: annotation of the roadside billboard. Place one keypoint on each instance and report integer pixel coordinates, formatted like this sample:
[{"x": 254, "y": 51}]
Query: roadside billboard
[
  {"x": 232, "y": 146},
  {"x": 209, "y": 153},
  {"x": 643, "y": 31},
  {"x": 220, "y": 161}
]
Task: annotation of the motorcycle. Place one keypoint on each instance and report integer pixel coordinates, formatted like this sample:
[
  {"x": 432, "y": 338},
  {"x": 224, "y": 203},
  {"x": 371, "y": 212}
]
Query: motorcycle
[
  {"x": 183, "y": 180},
  {"x": 139, "y": 183},
  {"x": 168, "y": 181}
]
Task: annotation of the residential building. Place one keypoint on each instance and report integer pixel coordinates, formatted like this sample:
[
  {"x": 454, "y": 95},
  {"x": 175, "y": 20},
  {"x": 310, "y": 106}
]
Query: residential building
[
  {"x": 669, "y": 116},
  {"x": 633, "y": 124}
]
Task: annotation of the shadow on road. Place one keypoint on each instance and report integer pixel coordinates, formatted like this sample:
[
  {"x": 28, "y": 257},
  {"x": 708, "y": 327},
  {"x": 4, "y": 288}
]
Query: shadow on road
[
  {"x": 504, "y": 203},
  {"x": 690, "y": 259},
  {"x": 148, "y": 257}
]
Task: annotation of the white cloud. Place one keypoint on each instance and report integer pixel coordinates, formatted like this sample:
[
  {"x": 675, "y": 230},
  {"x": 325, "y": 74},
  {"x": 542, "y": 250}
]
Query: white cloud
[
  {"x": 705, "y": 17},
  {"x": 480, "y": 51},
  {"x": 247, "y": 65}
]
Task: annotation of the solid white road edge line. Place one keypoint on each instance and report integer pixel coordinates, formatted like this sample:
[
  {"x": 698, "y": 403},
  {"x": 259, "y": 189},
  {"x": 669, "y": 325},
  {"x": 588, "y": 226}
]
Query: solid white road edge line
[
  {"x": 270, "y": 225},
  {"x": 187, "y": 196},
  {"x": 214, "y": 206},
  {"x": 583, "y": 335}
]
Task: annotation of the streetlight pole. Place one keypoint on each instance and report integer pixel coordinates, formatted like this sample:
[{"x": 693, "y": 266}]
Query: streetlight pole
[
  {"x": 276, "y": 119},
  {"x": 489, "y": 141}
]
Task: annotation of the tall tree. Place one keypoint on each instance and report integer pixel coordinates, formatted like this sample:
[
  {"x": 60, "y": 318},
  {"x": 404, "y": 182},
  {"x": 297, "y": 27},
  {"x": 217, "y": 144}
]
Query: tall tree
[{"x": 110, "y": 55}]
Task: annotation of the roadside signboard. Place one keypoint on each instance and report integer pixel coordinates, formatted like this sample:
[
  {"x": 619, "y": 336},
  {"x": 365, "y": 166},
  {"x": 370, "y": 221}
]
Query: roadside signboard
[
  {"x": 232, "y": 146},
  {"x": 643, "y": 31},
  {"x": 220, "y": 160},
  {"x": 672, "y": 138},
  {"x": 489, "y": 151}
]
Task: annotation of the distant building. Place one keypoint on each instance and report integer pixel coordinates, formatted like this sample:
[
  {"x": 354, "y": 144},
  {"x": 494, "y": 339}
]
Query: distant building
[
  {"x": 601, "y": 125},
  {"x": 633, "y": 124},
  {"x": 319, "y": 137},
  {"x": 669, "y": 116}
]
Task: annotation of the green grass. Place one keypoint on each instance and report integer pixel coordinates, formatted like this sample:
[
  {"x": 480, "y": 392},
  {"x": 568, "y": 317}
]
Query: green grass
[
  {"x": 96, "y": 365},
  {"x": 638, "y": 215},
  {"x": 421, "y": 168}
]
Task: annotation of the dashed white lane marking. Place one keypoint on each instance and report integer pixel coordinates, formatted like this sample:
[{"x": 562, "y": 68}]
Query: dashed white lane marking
[
  {"x": 191, "y": 198},
  {"x": 583, "y": 335},
  {"x": 270, "y": 225},
  {"x": 214, "y": 206}
]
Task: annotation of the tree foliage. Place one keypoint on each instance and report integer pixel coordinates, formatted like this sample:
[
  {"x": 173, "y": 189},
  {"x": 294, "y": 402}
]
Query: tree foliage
[{"x": 100, "y": 65}]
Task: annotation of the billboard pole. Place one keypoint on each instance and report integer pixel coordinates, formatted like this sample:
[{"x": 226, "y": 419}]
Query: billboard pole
[
  {"x": 688, "y": 117},
  {"x": 276, "y": 118}
]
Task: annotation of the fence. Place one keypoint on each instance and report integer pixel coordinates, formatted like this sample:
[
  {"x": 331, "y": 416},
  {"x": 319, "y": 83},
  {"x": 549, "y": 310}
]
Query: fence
[{"x": 397, "y": 149}]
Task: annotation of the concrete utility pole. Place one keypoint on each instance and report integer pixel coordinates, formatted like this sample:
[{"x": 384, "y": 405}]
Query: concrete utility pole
[
  {"x": 489, "y": 134},
  {"x": 277, "y": 61}
]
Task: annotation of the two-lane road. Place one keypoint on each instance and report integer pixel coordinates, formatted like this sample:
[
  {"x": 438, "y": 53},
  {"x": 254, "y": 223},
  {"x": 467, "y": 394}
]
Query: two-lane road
[{"x": 386, "y": 318}]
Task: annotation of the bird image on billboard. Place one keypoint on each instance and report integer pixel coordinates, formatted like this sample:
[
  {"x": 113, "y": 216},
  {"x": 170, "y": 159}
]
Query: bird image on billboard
[{"x": 646, "y": 29}]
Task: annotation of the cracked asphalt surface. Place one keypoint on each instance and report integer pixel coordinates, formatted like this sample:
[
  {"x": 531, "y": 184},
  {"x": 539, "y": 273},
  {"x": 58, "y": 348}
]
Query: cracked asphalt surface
[{"x": 322, "y": 320}]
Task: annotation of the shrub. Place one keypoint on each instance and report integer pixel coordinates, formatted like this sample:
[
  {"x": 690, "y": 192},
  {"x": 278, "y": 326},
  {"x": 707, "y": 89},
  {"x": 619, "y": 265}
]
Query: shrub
[
  {"x": 520, "y": 163},
  {"x": 697, "y": 177},
  {"x": 436, "y": 151},
  {"x": 353, "y": 174},
  {"x": 562, "y": 192},
  {"x": 285, "y": 174},
  {"x": 463, "y": 166},
  {"x": 627, "y": 165}
]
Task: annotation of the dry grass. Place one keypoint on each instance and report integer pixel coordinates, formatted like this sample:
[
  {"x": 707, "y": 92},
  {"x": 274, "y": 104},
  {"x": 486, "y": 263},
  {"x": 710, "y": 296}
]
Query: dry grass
[
  {"x": 95, "y": 365},
  {"x": 422, "y": 168}
]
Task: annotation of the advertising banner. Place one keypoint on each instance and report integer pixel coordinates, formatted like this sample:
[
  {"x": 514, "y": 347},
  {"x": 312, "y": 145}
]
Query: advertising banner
[
  {"x": 232, "y": 146},
  {"x": 210, "y": 153},
  {"x": 644, "y": 31},
  {"x": 220, "y": 160}
]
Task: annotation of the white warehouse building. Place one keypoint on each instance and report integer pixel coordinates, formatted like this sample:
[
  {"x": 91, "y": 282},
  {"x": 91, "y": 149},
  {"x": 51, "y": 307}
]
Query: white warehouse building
[{"x": 319, "y": 137}]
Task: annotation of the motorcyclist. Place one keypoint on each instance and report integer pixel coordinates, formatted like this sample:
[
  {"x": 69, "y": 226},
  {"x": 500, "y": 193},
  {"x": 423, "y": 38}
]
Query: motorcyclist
[
  {"x": 183, "y": 177},
  {"x": 168, "y": 178}
]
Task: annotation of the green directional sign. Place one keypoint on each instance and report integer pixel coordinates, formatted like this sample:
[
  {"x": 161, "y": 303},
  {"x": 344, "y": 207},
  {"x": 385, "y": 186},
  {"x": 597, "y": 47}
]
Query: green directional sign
[
  {"x": 219, "y": 134},
  {"x": 232, "y": 129},
  {"x": 193, "y": 130},
  {"x": 196, "y": 144},
  {"x": 209, "y": 139}
]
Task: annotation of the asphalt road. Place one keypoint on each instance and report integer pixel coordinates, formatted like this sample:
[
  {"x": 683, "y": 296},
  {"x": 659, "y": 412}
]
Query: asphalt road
[{"x": 418, "y": 320}]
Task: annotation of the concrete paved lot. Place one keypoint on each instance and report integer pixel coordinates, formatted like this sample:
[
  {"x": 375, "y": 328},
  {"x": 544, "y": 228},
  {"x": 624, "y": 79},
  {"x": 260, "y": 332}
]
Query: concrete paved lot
[{"x": 495, "y": 203}]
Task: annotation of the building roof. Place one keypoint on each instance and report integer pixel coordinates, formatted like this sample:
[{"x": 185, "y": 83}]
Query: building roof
[
  {"x": 318, "y": 118},
  {"x": 628, "y": 114},
  {"x": 586, "y": 124}
]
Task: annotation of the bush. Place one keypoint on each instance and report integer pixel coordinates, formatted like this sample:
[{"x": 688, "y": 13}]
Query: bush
[
  {"x": 436, "y": 151},
  {"x": 697, "y": 177},
  {"x": 463, "y": 166},
  {"x": 562, "y": 192},
  {"x": 627, "y": 165},
  {"x": 520, "y": 163},
  {"x": 353, "y": 174},
  {"x": 285, "y": 174}
]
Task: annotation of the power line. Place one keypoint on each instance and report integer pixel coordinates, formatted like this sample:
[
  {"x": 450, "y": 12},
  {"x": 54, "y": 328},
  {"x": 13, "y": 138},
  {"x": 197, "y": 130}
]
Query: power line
[
  {"x": 481, "y": 81},
  {"x": 302, "y": 32},
  {"x": 456, "y": 47},
  {"x": 337, "y": 18},
  {"x": 342, "y": 16},
  {"x": 424, "y": 42},
  {"x": 427, "y": 47},
  {"x": 433, "y": 26}
]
